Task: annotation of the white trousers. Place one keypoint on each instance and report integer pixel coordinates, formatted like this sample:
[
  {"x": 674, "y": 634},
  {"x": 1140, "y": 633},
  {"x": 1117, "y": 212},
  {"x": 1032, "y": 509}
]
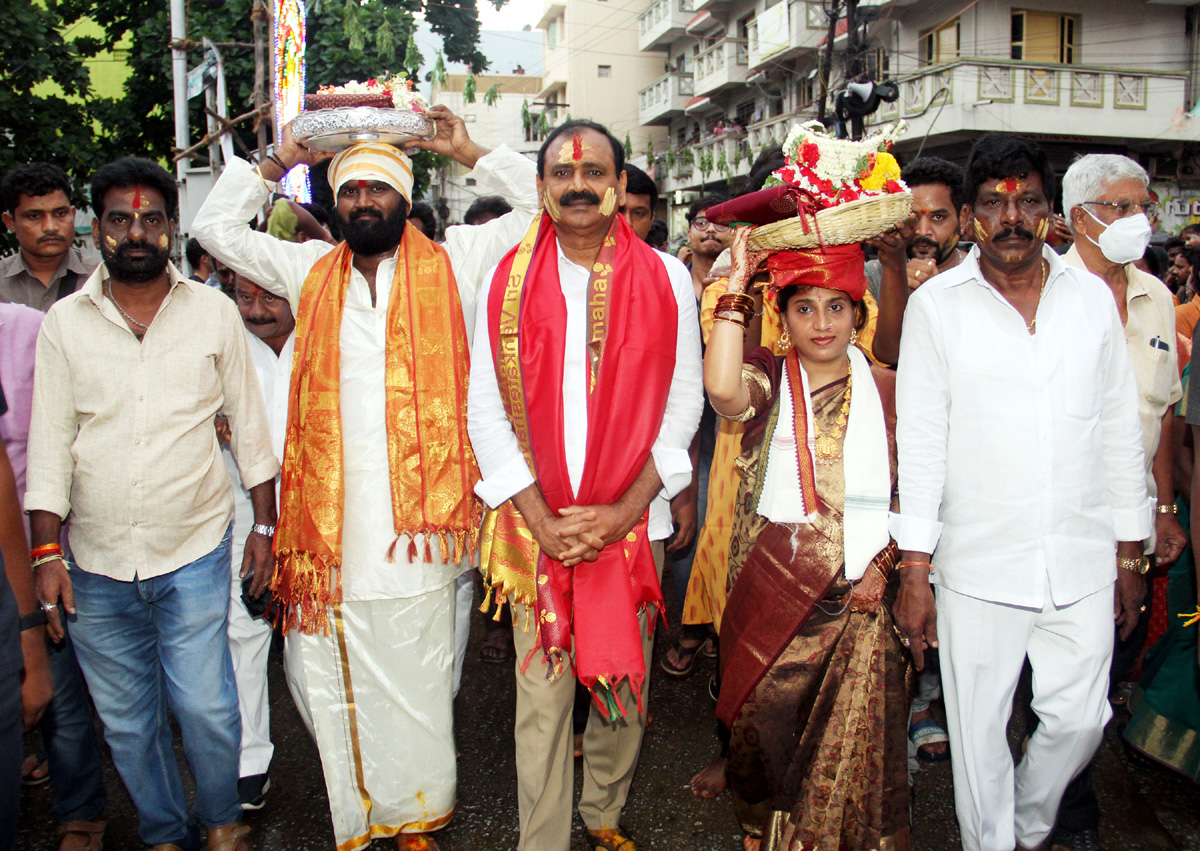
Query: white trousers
[
  {"x": 376, "y": 696},
  {"x": 983, "y": 646},
  {"x": 249, "y": 644}
]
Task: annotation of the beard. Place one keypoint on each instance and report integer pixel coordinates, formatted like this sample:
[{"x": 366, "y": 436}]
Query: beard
[
  {"x": 940, "y": 251},
  {"x": 135, "y": 270},
  {"x": 369, "y": 232}
]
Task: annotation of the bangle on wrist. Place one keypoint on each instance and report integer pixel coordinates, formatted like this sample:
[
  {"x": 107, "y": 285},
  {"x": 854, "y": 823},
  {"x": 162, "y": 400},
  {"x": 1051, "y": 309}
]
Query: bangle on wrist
[
  {"x": 927, "y": 565},
  {"x": 46, "y": 549},
  {"x": 1172, "y": 508},
  {"x": 275, "y": 159},
  {"x": 46, "y": 559}
]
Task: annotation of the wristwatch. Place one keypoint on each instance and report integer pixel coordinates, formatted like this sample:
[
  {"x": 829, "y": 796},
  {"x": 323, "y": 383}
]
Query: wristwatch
[
  {"x": 1167, "y": 509},
  {"x": 263, "y": 529},
  {"x": 1135, "y": 565}
]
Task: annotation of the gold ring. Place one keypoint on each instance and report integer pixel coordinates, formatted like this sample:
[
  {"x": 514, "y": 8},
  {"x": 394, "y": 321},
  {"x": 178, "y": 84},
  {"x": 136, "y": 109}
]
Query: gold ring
[{"x": 1142, "y": 609}]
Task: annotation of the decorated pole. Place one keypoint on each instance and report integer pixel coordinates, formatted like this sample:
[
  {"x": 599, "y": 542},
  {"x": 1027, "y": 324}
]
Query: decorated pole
[{"x": 289, "y": 37}]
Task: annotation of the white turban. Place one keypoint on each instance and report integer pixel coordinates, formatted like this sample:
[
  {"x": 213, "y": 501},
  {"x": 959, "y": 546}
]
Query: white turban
[{"x": 373, "y": 161}]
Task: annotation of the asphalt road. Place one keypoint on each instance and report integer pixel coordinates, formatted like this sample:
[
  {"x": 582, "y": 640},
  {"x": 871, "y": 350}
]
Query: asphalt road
[{"x": 1144, "y": 806}]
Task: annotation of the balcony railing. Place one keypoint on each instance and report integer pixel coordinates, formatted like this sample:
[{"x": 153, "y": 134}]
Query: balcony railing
[
  {"x": 664, "y": 98},
  {"x": 980, "y": 95},
  {"x": 662, "y": 22},
  {"x": 770, "y": 132},
  {"x": 720, "y": 65}
]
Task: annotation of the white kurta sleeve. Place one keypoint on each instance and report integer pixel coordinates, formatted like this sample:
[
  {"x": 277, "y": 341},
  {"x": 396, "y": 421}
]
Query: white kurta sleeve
[
  {"x": 685, "y": 400},
  {"x": 922, "y": 427},
  {"x": 473, "y": 249},
  {"x": 221, "y": 226},
  {"x": 497, "y": 451}
]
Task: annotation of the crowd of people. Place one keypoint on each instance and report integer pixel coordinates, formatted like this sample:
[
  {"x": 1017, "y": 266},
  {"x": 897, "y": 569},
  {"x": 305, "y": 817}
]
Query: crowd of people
[{"x": 945, "y": 473}]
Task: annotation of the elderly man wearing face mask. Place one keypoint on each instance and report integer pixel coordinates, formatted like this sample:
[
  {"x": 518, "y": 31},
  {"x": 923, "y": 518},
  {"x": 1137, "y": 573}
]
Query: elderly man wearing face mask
[{"x": 1108, "y": 206}]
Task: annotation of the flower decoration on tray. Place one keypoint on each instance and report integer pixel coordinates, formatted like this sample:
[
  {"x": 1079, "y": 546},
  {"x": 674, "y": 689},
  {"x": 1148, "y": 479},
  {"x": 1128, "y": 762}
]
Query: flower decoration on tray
[
  {"x": 830, "y": 192},
  {"x": 385, "y": 109}
]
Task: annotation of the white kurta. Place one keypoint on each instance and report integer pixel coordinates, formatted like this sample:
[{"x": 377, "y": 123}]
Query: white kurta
[{"x": 376, "y": 692}]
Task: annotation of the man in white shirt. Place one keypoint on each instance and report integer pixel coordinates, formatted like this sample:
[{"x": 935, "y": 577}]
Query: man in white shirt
[
  {"x": 269, "y": 335},
  {"x": 583, "y": 403},
  {"x": 377, "y": 516},
  {"x": 1021, "y": 469}
]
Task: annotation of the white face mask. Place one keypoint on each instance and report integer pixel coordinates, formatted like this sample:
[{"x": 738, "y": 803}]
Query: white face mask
[{"x": 1125, "y": 240}]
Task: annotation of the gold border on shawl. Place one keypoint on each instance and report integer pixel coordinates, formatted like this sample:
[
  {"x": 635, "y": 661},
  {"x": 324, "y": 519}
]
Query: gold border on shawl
[
  {"x": 382, "y": 830},
  {"x": 598, "y": 304},
  {"x": 508, "y": 354},
  {"x": 800, "y": 406},
  {"x": 351, "y": 709}
]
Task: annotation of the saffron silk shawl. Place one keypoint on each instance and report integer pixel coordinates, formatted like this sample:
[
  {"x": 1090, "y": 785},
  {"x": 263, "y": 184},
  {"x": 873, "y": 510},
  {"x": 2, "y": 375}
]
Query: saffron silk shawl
[
  {"x": 430, "y": 463},
  {"x": 631, "y": 361}
]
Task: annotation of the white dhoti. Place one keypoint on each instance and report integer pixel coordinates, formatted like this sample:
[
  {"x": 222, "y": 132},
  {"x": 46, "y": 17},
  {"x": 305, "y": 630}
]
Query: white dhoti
[{"x": 376, "y": 695}]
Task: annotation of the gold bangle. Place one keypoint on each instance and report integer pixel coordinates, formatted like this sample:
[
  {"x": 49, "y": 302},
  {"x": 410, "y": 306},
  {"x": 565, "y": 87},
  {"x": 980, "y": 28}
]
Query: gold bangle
[
  {"x": 1140, "y": 565},
  {"x": 742, "y": 323}
]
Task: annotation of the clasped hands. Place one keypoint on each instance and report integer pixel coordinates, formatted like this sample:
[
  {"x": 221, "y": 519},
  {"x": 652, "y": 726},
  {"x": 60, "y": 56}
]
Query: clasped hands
[{"x": 580, "y": 532}]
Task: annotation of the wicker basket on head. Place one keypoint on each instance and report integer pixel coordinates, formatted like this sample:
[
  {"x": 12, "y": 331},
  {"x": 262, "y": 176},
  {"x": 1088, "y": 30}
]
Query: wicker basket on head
[
  {"x": 865, "y": 218},
  {"x": 334, "y": 100}
]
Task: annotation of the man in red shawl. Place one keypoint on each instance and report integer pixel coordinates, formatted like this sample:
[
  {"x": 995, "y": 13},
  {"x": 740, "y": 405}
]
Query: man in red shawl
[{"x": 585, "y": 394}]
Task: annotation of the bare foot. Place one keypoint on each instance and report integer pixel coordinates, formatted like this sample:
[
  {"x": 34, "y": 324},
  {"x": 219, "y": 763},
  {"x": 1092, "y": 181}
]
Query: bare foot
[
  {"x": 415, "y": 842},
  {"x": 935, "y": 749},
  {"x": 710, "y": 780},
  {"x": 751, "y": 843}
]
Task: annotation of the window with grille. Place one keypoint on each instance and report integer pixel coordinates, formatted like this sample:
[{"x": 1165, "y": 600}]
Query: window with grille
[
  {"x": 604, "y": 70},
  {"x": 745, "y": 112},
  {"x": 1045, "y": 37}
]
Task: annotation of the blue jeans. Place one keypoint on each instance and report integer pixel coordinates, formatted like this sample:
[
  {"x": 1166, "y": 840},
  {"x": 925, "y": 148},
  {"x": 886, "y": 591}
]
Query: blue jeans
[
  {"x": 681, "y": 562},
  {"x": 70, "y": 739},
  {"x": 149, "y": 644}
]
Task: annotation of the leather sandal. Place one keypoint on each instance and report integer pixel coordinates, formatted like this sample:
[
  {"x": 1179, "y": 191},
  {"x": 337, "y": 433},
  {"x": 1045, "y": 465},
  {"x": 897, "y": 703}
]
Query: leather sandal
[
  {"x": 610, "y": 839},
  {"x": 228, "y": 837},
  {"x": 82, "y": 835}
]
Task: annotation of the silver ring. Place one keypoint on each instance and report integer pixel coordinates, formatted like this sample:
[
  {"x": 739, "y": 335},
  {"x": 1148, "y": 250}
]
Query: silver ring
[
  {"x": 46, "y": 607},
  {"x": 906, "y": 642}
]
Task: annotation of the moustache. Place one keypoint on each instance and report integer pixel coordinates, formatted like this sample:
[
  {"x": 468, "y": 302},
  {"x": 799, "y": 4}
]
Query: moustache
[
  {"x": 50, "y": 239},
  {"x": 924, "y": 240},
  {"x": 1013, "y": 231},
  {"x": 575, "y": 195},
  {"x": 364, "y": 213},
  {"x": 260, "y": 321}
]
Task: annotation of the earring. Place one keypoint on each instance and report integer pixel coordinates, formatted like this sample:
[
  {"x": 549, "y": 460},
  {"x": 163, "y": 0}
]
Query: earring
[
  {"x": 784, "y": 342},
  {"x": 854, "y": 336}
]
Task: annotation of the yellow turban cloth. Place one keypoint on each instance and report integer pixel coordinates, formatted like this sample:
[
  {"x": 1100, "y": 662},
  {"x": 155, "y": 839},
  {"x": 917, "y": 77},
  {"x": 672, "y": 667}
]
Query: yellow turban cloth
[{"x": 373, "y": 161}]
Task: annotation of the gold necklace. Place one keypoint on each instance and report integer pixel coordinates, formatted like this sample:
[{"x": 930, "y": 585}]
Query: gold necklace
[
  {"x": 1031, "y": 325},
  {"x": 829, "y": 445}
]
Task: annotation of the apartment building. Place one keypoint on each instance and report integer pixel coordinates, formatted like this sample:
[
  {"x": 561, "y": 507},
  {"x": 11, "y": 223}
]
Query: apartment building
[{"x": 1075, "y": 75}]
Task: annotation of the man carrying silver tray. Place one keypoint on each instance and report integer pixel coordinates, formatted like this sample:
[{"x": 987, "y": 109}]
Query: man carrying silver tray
[{"x": 378, "y": 517}]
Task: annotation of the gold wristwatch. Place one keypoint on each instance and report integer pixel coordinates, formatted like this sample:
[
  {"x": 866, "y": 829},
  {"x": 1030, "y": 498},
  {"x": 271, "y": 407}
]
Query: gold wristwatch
[
  {"x": 1167, "y": 509},
  {"x": 1140, "y": 565}
]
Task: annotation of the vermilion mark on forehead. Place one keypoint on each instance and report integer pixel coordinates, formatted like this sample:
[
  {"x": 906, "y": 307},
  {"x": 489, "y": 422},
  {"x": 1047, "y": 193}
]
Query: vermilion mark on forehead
[
  {"x": 362, "y": 184},
  {"x": 577, "y": 147},
  {"x": 1009, "y": 185},
  {"x": 137, "y": 198}
]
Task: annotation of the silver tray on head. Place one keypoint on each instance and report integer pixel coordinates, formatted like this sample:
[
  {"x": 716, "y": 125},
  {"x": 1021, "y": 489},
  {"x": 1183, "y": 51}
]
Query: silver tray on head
[{"x": 337, "y": 129}]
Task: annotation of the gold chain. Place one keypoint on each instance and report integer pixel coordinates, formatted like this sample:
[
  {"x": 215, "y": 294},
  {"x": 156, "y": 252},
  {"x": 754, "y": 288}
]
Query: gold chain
[
  {"x": 1031, "y": 326},
  {"x": 829, "y": 445}
]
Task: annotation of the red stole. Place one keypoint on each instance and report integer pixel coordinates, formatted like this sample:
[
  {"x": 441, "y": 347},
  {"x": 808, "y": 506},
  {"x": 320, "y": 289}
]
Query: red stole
[{"x": 631, "y": 331}]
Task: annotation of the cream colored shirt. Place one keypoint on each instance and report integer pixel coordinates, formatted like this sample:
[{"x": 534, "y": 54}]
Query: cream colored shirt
[
  {"x": 1150, "y": 340},
  {"x": 122, "y": 437}
]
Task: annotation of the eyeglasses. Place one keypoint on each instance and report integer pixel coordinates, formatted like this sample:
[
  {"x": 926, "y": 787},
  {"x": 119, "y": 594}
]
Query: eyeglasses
[
  {"x": 701, "y": 223},
  {"x": 1126, "y": 208}
]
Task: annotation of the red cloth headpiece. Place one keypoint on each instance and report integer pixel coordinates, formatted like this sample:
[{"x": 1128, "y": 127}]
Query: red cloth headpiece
[
  {"x": 836, "y": 267},
  {"x": 758, "y": 208}
]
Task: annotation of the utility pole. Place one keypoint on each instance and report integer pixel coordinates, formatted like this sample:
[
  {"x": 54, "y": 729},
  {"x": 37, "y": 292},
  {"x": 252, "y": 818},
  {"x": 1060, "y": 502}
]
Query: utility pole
[
  {"x": 826, "y": 67},
  {"x": 853, "y": 60},
  {"x": 260, "y": 16},
  {"x": 179, "y": 72}
]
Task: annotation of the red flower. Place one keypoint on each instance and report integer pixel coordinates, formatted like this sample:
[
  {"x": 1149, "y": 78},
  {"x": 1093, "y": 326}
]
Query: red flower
[
  {"x": 864, "y": 174},
  {"x": 893, "y": 187},
  {"x": 810, "y": 153}
]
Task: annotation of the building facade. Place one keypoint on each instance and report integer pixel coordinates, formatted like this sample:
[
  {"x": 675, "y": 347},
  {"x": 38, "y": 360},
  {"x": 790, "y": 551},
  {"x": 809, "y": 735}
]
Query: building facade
[{"x": 1075, "y": 75}]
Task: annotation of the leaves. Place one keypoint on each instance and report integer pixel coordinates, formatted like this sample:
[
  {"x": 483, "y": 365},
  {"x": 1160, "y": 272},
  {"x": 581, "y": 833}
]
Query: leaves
[
  {"x": 628, "y": 146},
  {"x": 413, "y": 60},
  {"x": 468, "y": 91},
  {"x": 492, "y": 96},
  {"x": 438, "y": 74}
]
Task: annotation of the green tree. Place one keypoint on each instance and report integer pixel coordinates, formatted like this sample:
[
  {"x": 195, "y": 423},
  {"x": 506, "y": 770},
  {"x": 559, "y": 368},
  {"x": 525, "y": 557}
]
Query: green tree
[{"x": 347, "y": 39}]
